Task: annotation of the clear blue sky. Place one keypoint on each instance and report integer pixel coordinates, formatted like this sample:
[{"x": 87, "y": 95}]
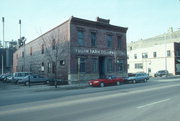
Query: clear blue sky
[{"x": 144, "y": 18}]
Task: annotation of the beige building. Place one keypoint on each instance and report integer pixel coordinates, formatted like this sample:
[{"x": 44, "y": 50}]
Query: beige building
[{"x": 157, "y": 53}]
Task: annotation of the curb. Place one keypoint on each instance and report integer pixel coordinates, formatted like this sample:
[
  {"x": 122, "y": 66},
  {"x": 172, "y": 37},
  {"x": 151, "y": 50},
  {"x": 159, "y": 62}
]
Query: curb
[{"x": 64, "y": 87}]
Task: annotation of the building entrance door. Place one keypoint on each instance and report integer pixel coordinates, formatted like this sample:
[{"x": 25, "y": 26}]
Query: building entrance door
[{"x": 101, "y": 66}]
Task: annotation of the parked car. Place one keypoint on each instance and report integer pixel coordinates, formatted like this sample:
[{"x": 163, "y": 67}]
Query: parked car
[
  {"x": 52, "y": 82},
  {"x": 108, "y": 80},
  {"x": 137, "y": 77},
  {"x": 19, "y": 75},
  {"x": 8, "y": 78},
  {"x": 33, "y": 78},
  {"x": 4, "y": 77},
  {"x": 161, "y": 73}
]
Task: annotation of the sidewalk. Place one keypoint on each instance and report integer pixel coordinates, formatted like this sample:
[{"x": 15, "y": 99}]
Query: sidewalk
[
  {"x": 168, "y": 77},
  {"x": 73, "y": 85},
  {"x": 39, "y": 88}
]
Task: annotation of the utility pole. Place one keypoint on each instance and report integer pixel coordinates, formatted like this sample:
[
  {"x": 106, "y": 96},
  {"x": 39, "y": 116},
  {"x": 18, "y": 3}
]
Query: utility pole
[
  {"x": 79, "y": 61},
  {"x": 115, "y": 60},
  {"x": 24, "y": 42},
  {"x": 19, "y": 31},
  {"x": 19, "y": 28},
  {"x": 165, "y": 52},
  {"x": 2, "y": 65},
  {"x": 3, "y": 20},
  {"x": 3, "y": 46}
]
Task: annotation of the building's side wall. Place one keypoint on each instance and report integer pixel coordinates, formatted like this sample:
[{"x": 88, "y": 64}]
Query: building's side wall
[
  {"x": 34, "y": 59},
  {"x": 89, "y": 52},
  {"x": 152, "y": 64},
  {"x": 177, "y": 58},
  {"x": 169, "y": 37}
]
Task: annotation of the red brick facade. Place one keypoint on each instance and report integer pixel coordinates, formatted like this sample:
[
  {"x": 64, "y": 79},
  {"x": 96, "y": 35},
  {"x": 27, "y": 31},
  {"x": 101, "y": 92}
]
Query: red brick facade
[{"x": 76, "y": 58}]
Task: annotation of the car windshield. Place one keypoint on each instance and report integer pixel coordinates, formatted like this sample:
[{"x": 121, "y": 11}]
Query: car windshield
[
  {"x": 131, "y": 75},
  {"x": 110, "y": 77}
]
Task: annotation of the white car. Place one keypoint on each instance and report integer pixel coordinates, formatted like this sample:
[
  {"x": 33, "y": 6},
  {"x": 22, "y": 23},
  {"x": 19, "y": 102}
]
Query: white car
[{"x": 18, "y": 76}]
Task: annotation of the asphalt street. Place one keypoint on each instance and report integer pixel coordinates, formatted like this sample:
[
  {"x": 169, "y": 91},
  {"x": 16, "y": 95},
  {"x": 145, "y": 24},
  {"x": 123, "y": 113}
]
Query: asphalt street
[{"x": 156, "y": 100}]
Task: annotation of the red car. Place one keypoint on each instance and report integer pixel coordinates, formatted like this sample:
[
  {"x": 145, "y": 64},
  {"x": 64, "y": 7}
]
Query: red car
[{"x": 108, "y": 80}]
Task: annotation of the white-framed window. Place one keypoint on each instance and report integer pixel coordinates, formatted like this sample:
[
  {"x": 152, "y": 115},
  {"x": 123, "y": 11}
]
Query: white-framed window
[
  {"x": 144, "y": 55},
  {"x": 138, "y": 66},
  {"x": 154, "y": 54},
  {"x": 135, "y": 56},
  {"x": 168, "y": 53}
]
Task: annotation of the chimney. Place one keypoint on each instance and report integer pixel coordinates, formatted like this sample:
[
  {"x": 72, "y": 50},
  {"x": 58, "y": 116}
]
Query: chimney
[{"x": 101, "y": 20}]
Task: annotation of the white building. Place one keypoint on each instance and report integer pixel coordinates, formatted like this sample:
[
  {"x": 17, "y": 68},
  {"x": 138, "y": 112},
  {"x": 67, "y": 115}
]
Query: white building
[{"x": 158, "y": 53}]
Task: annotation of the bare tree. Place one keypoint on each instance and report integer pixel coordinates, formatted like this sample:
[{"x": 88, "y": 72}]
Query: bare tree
[{"x": 54, "y": 48}]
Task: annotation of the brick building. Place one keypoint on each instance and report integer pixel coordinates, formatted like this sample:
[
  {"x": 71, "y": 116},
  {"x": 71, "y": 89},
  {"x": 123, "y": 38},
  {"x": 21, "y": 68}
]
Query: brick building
[{"x": 77, "y": 49}]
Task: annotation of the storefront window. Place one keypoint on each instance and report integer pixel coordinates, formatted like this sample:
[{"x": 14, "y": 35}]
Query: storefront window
[
  {"x": 94, "y": 65},
  {"x": 120, "y": 66},
  {"x": 81, "y": 64},
  {"x": 109, "y": 65}
]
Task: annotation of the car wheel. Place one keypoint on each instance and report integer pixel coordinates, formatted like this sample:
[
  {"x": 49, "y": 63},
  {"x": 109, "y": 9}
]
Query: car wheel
[
  {"x": 26, "y": 83},
  {"x": 134, "y": 81},
  {"x": 117, "y": 83},
  {"x": 101, "y": 84},
  {"x": 47, "y": 82}
]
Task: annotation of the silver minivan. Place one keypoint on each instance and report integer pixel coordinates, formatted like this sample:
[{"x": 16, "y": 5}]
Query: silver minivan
[{"x": 19, "y": 75}]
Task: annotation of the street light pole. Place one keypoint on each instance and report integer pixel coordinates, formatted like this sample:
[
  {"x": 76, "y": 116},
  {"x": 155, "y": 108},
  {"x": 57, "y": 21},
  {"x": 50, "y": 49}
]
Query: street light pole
[
  {"x": 3, "y": 31},
  {"x": 24, "y": 42}
]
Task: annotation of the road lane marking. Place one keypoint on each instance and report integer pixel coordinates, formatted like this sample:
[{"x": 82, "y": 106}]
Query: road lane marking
[
  {"x": 150, "y": 104},
  {"x": 34, "y": 106}
]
